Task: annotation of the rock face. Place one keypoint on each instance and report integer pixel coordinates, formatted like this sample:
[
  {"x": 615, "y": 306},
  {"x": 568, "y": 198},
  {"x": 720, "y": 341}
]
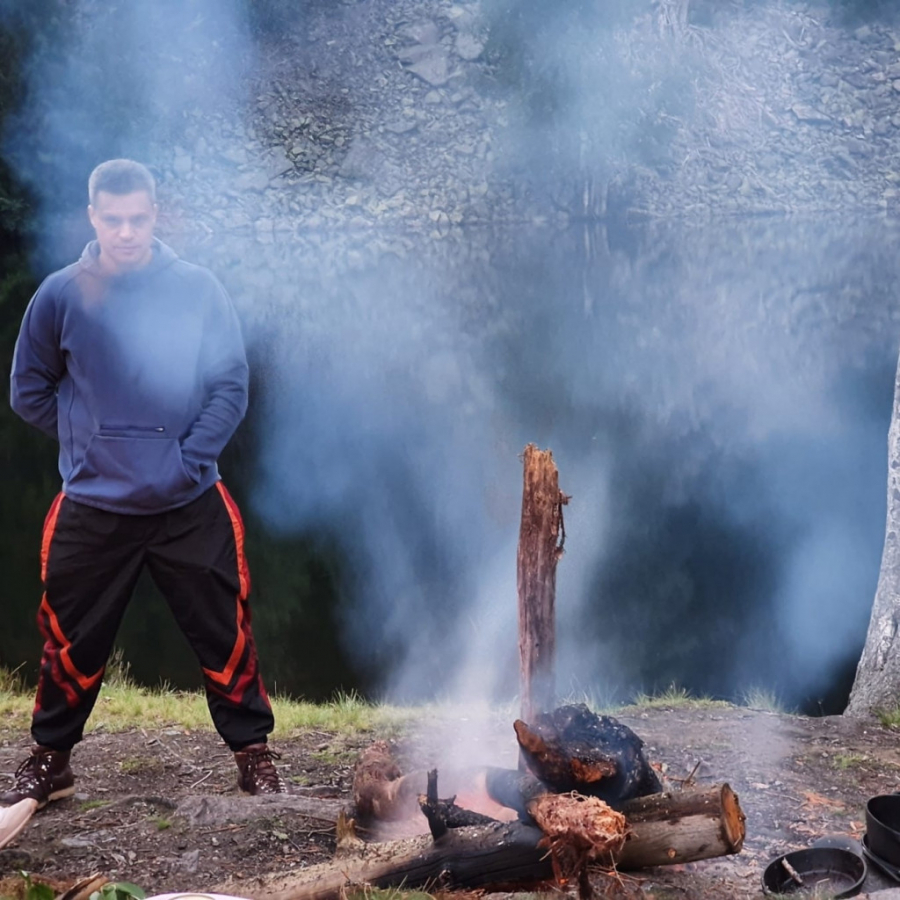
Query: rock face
[{"x": 394, "y": 113}]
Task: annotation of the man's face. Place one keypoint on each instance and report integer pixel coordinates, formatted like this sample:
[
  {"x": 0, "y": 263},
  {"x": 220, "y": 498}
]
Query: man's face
[{"x": 124, "y": 224}]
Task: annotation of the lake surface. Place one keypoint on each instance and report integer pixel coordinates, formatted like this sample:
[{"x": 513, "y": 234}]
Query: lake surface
[{"x": 717, "y": 400}]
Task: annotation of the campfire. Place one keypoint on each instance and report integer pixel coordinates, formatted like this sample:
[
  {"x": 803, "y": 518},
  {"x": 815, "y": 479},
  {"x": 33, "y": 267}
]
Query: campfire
[
  {"x": 584, "y": 794},
  {"x": 586, "y": 797}
]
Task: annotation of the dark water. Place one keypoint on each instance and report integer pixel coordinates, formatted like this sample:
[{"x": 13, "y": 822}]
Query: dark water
[{"x": 716, "y": 398}]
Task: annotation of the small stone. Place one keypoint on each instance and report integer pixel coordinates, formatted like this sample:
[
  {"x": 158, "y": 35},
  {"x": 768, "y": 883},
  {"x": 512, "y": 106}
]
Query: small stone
[
  {"x": 401, "y": 126},
  {"x": 183, "y": 163},
  {"x": 468, "y": 47},
  {"x": 809, "y": 115},
  {"x": 424, "y": 32},
  {"x": 433, "y": 97},
  {"x": 255, "y": 180},
  {"x": 234, "y": 154},
  {"x": 190, "y": 861},
  {"x": 433, "y": 67}
]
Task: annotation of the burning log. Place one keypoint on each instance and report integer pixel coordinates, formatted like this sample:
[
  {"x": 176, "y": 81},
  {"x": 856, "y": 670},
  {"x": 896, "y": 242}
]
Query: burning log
[
  {"x": 541, "y": 539},
  {"x": 573, "y": 749},
  {"x": 445, "y": 814},
  {"x": 464, "y": 858}
]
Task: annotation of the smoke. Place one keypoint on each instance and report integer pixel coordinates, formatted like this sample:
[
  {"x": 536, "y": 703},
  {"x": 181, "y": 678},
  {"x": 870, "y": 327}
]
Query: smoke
[
  {"x": 707, "y": 393},
  {"x": 123, "y": 79}
]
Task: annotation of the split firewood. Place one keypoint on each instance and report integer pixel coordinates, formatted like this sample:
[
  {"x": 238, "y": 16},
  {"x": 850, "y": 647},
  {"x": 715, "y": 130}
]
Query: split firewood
[
  {"x": 380, "y": 789},
  {"x": 573, "y": 749}
]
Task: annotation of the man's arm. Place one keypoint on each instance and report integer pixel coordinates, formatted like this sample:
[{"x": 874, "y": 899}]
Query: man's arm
[
  {"x": 226, "y": 378},
  {"x": 38, "y": 364}
]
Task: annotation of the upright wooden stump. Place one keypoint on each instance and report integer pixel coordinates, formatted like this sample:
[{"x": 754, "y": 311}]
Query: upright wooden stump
[{"x": 541, "y": 538}]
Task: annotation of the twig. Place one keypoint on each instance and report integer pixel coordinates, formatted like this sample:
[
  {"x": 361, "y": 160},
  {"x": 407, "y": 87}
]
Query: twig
[
  {"x": 792, "y": 872},
  {"x": 690, "y": 779},
  {"x": 233, "y": 826},
  {"x": 200, "y": 780}
]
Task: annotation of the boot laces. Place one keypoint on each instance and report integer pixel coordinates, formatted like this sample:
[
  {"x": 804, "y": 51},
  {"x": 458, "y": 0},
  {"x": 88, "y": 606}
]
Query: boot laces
[
  {"x": 262, "y": 767},
  {"x": 33, "y": 770}
]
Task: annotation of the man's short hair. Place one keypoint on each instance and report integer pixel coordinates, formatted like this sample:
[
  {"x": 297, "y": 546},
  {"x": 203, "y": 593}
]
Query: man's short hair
[{"x": 121, "y": 176}]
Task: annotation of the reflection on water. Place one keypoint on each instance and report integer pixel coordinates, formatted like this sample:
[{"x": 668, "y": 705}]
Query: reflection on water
[{"x": 717, "y": 401}]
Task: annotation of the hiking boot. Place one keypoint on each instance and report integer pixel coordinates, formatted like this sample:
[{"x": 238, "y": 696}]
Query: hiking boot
[
  {"x": 43, "y": 776},
  {"x": 257, "y": 772}
]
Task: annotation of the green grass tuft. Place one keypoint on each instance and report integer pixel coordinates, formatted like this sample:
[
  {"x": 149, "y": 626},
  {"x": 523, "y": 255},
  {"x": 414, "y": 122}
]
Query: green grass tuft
[
  {"x": 124, "y": 706},
  {"x": 674, "y": 697},
  {"x": 762, "y": 699}
]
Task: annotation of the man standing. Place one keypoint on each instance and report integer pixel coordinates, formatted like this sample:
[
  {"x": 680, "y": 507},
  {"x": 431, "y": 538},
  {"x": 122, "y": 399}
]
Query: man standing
[{"x": 133, "y": 360}]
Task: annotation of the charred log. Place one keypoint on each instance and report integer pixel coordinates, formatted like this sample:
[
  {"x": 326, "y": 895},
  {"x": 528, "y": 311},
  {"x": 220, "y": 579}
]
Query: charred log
[
  {"x": 463, "y": 858},
  {"x": 573, "y": 749},
  {"x": 445, "y": 814},
  {"x": 514, "y": 789}
]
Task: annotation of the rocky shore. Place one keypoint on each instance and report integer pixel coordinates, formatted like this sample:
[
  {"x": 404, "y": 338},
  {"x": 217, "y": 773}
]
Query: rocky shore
[{"x": 397, "y": 114}]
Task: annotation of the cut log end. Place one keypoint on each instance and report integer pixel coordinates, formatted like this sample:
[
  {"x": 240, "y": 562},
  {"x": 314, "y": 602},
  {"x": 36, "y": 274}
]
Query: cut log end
[{"x": 733, "y": 820}]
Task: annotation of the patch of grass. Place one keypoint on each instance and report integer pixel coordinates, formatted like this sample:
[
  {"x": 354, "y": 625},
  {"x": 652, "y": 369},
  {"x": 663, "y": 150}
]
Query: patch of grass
[
  {"x": 137, "y": 765},
  {"x": 88, "y": 805},
  {"x": 369, "y": 893},
  {"x": 677, "y": 698},
  {"x": 846, "y": 761},
  {"x": 890, "y": 718},
  {"x": 125, "y": 706},
  {"x": 762, "y": 699},
  {"x": 334, "y": 756},
  {"x": 11, "y": 680},
  {"x": 162, "y": 823}
]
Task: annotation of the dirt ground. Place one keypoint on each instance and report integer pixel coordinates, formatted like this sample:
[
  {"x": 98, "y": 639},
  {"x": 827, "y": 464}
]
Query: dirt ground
[{"x": 160, "y": 809}]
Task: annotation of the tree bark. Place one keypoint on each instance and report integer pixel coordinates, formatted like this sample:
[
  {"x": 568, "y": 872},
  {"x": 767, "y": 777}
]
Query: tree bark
[
  {"x": 541, "y": 539},
  {"x": 877, "y": 683}
]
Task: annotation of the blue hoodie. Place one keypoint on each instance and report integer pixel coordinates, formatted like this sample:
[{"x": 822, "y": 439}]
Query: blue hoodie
[{"x": 142, "y": 377}]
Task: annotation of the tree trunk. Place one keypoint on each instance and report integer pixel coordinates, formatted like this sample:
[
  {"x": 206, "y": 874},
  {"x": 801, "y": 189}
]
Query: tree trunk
[
  {"x": 877, "y": 683},
  {"x": 541, "y": 538}
]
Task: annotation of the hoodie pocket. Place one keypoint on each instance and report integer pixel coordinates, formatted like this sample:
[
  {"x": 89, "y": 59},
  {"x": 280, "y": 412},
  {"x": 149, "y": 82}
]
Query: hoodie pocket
[{"x": 136, "y": 467}]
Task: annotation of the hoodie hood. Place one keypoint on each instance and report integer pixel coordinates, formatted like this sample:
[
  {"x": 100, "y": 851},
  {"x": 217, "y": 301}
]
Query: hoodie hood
[{"x": 162, "y": 257}]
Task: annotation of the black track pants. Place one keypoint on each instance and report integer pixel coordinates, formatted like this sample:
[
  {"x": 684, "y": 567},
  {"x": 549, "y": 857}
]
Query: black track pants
[{"x": 90, "y": 563}]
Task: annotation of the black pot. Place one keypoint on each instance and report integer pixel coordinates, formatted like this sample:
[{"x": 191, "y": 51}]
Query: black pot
[
  {"x": 883, "y": 827},
  {"x": 839, "y": 872}
]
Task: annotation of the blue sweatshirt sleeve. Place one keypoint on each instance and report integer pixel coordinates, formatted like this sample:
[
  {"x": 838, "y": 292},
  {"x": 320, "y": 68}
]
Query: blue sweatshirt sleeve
[
  {"x": 225, "y": 379},
  {"x": 38, "y": 363}
]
